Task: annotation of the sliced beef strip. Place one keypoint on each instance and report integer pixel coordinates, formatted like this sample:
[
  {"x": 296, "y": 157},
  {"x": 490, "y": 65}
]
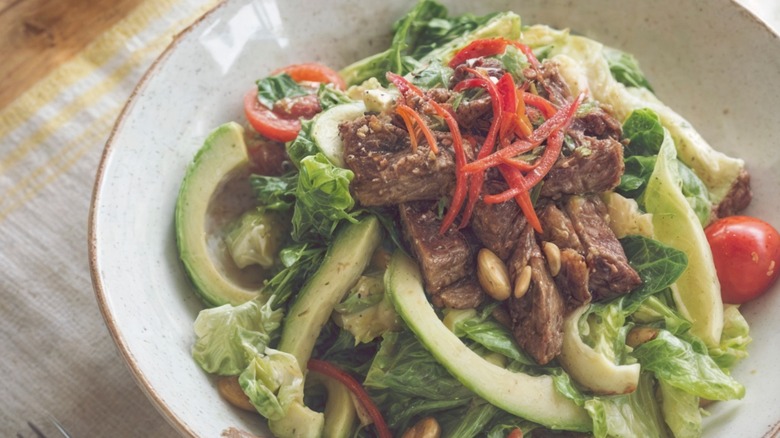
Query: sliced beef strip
[
  {"x": 463, "y": 294},
  {"x": 443, "y": 258},
  {"x": 557, "y": 228},
  {"x": 610, "y": 274},
  {"x": 537, "y": 317},
  {"x": 550, "y": 83},
  {"x": 598, "y": 123},
  {"x": 497, "y": 226},
  {"x": 573, "y": 279},
  {"x": 387, "y": 171},
  {"x": 737, "y": 199},
  {"x": 594, "y": 167}
]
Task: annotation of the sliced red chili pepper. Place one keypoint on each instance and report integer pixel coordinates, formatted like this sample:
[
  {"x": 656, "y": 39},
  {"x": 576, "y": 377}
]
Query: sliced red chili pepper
[
  {"x": 401, "y": 111},
  {"x": 508, "y": 92},
  {"x": 523, "y": 124},
  {"x": 545, "y": 163},
  {"x": 554, "y": 123},
  {"x": 491, "y": 47},
  {"x": 479, "y": 48},
  {"x": 413, "y": 115},
  {"x": 515, "y": 179},
  {"x": 330, "y": 370},
  {"x": 529, "y": 53},
  {"x": 544, "y": 105},
  {"x": 475, "y": 184},
  {"x": 403, "y": 85},
  {"x": 461, "y": 179}
]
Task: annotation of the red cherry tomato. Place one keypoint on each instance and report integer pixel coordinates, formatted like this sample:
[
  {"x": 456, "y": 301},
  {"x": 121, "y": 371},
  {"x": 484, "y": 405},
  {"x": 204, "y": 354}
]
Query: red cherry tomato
[
  {"x": 746, "y": 252},
  {"x": 267, "y": 122},
  {"x": 282, "y": 122},
  {"x": 313, "y": 72}
]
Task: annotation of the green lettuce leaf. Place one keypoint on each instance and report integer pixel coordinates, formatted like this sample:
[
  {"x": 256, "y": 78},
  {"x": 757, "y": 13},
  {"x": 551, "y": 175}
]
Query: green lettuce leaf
[
  {"x": 329, "y": 96},
  {"x": 681, "y": 411},
  {"x": 275, "y": 88},
  {"x": 366, "y": 312},
  {"x": 627, "y": 416},
  {"x": 225, "y": 333},
  {"x": 256, "y": 237},
  {"x": 625, "y": 68},
  {"x": 322, "y": 199},
  {"x": 695, "y": 193},
  {"x": 644, "y": 131},
  {"x": 734, "y": 339},
  {"x": 484, "y": 330},
  {"x": 678, "y": 364},
  {"x": 275, "y": 192},
  {"x": 299, "y": 261},
  {"x": 304, "y": 145}
]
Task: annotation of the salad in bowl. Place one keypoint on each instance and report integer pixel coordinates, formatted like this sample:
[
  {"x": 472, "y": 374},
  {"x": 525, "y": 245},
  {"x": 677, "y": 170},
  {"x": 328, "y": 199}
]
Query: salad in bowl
[{"x": 486, "y": 229}]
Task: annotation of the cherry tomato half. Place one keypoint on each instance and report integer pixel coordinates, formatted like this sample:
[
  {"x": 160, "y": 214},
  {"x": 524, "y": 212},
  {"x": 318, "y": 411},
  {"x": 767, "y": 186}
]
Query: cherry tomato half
[
  {"x": 267, "y": 122},
  {"x": 746, "y": 252},
  {"x": 282, "y": 122},
  {"x": 313, "y": 72}
]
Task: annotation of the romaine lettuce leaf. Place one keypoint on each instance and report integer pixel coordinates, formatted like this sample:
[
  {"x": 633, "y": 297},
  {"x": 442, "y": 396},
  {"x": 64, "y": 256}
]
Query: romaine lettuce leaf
[
  {"x": 625, "y": 68},
  {"x": 681, "y": 411},
  {"x": 366, "y": 312},
  {"x": 627, "y": 416},
  {"x": 225, "y": 333},
  {"x": 322, "y": 199},
  {"x": 734, "y": 339},
  {"x": 678, "y": 364}
]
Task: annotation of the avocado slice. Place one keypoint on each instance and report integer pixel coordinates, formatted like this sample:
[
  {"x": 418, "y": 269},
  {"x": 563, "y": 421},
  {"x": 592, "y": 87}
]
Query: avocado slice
[
  {"x": 532, "y": 397},
  {"x": 220, "y": 166}
]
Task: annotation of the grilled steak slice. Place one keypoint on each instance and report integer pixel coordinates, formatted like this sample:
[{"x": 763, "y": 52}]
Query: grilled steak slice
[
  {"x": 444, "y": 259},
  {"x": 387, "y": 171},
  {"x": 572, "y": 279},
  {"x": 594, "y": 167},
  {"x": 497, "y": 226},
  {"x": 737, "y": 199},
  {"x": 598, "y": 123},
  {"x": 557, "y": 228},
  {"x": 551, "y": 83},
  {"x": 464, "y": 294},
  {"x": 537, "y": 317},
  {"x": 609, "y": 272}
]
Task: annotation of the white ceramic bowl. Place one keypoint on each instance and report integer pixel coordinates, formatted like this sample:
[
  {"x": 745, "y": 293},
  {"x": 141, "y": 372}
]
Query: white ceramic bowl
[{"x": 711, "y": 61}]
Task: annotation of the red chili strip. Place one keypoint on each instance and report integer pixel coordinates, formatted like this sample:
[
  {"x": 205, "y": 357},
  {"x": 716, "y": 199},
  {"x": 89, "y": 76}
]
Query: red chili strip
[
  {"x": 330, "y": 370},
  {"x": 544, "y": 105},
  {"x": 461, "y": 179},
  {"x": 515, "y": 179},
  {"x": 554, "y": 123},
  {"x": 414, "y": 115},
  {"x": 403, "y": 85},
  {"x": 475, "y": 184},
  {"x": 401, "y": 110},
  {"x": 491, "y": 47},
  {"x": 479, "y": 48},
  {"x": 545, "y": 163}
]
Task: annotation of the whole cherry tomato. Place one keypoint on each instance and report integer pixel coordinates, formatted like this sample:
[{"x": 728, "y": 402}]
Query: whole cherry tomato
[{"x": 746, "y": 252}]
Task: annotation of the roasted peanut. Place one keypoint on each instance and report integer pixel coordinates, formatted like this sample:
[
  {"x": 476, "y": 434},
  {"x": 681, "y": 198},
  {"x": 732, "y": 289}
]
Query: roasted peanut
[
  {"x": 428, "y": 427},
  {"x": 231, "y": 391},
  {"x": 523, "y": 282},
  {"x": 553, "y": 255},
  {"x": 493, "y": 275},
  {"x": 640, "y": 335}
]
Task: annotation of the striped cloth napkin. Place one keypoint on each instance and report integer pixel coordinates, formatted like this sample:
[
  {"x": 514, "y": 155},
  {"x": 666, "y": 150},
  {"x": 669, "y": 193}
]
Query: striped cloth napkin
[{"x": 56, "y": 356}]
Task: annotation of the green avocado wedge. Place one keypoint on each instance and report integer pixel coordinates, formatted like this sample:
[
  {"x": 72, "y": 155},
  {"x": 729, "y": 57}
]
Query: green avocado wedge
[
  {"x": 531, "y": 397},
  {"x": 222, "y": 158}
]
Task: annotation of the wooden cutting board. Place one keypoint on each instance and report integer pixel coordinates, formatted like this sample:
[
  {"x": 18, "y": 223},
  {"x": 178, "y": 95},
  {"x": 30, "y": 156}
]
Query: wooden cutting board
[{"x": 36, "y": 36}]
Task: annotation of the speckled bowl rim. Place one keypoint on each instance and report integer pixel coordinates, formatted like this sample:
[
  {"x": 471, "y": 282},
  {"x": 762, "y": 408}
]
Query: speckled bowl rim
[{"x": 94, "y": 264}]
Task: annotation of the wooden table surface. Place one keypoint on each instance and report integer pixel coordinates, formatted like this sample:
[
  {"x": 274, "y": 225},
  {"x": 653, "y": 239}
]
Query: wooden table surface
[{"x": 36, "y": 36}]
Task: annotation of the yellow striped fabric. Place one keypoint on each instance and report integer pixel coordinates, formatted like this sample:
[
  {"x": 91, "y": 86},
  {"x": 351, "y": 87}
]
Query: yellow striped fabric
[
  {"x": 51, "y": 127},
  {"x": 52, "y": 338}
]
